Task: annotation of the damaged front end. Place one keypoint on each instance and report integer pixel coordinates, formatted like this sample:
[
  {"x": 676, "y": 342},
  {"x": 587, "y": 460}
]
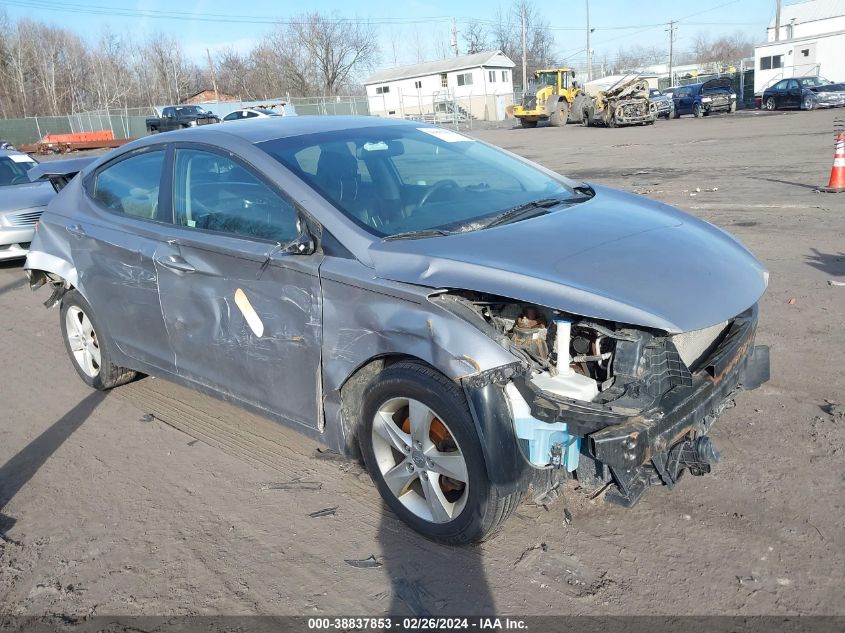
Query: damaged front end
[{"x": 606, "y": 402}]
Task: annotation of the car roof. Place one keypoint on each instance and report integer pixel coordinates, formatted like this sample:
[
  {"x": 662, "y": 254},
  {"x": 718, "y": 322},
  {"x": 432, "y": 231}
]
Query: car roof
[
  {"x": 258, "y": 130},
  {"x": 12, "y": 152}
]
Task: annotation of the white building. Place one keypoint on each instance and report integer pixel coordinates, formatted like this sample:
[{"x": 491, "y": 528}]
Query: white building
[
  {"x": 812, "y": 42},
  {"x": 478, "y": 85}
]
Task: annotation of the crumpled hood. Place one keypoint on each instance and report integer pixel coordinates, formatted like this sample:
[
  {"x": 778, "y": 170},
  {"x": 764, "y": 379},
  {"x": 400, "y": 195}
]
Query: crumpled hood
[
  {"x": 25, "y": 196},
  {"x": 616, "y": 257}
]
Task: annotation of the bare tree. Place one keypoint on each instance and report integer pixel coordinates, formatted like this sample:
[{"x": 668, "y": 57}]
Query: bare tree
[
  {"x": 336, "y": 48},
  {"x": 506, "y": 35},
  {"x": 475, "y": 37}
]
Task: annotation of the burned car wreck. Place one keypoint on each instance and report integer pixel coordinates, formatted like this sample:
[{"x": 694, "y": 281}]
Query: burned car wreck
[{"x": 472, "y": 325}]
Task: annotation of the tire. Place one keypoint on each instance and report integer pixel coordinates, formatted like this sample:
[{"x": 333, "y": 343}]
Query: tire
[
  {"x": 733, "y": 108},
  {"x": 560, "y": 116},
  {"x": 808, "y": 103},
  {"x": 770, "y": 104},
  {"x": 403, "y": 406},
  {"x": 87, "y": 345},
  {"x": 697, "y": 112},
  {"x": 676, "y": 114},
  {"x": 528, "y": 124}
]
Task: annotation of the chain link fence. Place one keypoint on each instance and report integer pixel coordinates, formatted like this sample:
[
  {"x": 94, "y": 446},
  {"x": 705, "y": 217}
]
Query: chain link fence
[{"x": 126, "y": 123}]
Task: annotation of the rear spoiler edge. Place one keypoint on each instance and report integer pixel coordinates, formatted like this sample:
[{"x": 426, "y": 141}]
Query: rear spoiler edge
[{"x": 59, "y": 172}]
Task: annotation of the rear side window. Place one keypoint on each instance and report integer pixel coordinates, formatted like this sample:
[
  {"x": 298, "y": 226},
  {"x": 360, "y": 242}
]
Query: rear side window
[
  {"x": 131, "y": 186},
  {"x": 215, "y": 193}
]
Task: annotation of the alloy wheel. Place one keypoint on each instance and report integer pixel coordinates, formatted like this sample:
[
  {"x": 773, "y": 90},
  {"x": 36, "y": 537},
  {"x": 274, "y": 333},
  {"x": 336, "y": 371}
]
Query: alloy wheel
[
  {"x": 420, "y": 460},
  {"x": 770, "y": 103},
  {"x": 83, "y": 341}
]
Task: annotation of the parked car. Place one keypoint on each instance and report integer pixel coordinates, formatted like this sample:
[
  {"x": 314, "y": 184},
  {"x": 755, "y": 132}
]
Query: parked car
[
  {"x": 805, "y": 93},
  {"x": 178, "y": 117},
  {"x": 703, "y": 99},
  {"x": 6, "y": 145},
  {"x": 664, "y": 104},
  {"x": 255, "y": 113},
  {"x": 21, "y": 203},
  {"x": 471, "y": 323}
]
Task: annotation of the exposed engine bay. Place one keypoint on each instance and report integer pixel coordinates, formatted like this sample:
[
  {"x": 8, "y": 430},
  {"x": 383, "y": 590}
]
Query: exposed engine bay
[{"x": 585, "y": 381}]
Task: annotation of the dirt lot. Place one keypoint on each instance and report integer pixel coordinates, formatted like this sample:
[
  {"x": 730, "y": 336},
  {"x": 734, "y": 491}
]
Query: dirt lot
[{"x": 155, "y": 500}]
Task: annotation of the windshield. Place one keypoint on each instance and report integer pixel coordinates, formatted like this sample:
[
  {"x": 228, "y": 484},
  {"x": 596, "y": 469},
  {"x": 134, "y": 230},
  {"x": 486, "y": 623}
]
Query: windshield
[
  {"x": 393, "y": 180},
  {"x": 13, "y": 169},
  {"x": 813, "y": 82},
  {"x": 547, "y": 79},
  {"x": 654, "y": 92},
  {"x": 712, "y": 87},
  {"x": 191, "y": 110}
]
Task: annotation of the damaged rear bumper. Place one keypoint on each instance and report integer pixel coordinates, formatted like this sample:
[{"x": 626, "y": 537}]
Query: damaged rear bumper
[{"x": 634, "y": 449}]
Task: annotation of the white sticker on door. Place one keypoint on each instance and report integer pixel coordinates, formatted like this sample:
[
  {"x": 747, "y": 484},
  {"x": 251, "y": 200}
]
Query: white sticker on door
[{"x": 251, "y": 316}]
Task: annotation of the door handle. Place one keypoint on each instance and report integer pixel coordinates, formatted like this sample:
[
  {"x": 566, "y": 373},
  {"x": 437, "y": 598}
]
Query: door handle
[
  {"x": 175, "y": 262},
  {"x": 76, "y": 230}
]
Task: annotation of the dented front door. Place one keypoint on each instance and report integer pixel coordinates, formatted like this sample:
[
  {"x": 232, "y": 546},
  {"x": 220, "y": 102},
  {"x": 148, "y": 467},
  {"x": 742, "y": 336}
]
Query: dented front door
[{"x": 242, "y": 325}]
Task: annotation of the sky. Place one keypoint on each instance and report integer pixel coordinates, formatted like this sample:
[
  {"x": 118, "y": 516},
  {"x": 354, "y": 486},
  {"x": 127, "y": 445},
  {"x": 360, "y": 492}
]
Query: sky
[{"x": 222, "y": 24}]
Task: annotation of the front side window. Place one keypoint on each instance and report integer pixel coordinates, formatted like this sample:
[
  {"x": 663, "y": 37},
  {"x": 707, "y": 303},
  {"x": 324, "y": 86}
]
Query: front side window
[
  {"x": 792, "y": 85},
  {"x": 395, "y": 179},
  {"x": 131, "y": 186},
  {"x": 13, "y": 169},
  {"x": 216, "y": 193}
]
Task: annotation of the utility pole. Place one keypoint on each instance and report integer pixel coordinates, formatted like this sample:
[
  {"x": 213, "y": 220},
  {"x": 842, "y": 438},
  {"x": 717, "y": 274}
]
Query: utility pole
[
  {"x": 589, "y": 47},
  {"x": 777, "y": 20},
  {"x": 524, "y": 53},
  {"x": 455, "y": 36},
  {"x": 213, "y": 78},
  {"x": 672, "y": 28}
]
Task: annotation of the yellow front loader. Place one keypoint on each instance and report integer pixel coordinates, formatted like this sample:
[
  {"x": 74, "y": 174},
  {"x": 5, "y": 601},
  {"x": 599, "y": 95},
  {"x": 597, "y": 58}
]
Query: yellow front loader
[{"x": 550, "y": 96}]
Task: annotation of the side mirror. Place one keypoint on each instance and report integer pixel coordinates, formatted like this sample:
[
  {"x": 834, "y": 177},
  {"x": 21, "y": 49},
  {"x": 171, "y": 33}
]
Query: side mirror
[{"x": 302, "y": 245}]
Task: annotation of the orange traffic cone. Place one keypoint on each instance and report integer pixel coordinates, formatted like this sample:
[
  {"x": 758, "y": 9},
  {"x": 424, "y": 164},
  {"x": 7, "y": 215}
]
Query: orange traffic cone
[{"x": 837, "y": 174}]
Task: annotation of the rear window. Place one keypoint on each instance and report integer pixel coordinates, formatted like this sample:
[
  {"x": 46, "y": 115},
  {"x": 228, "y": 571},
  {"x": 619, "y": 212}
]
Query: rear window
[{"x": 131, "y": 186}]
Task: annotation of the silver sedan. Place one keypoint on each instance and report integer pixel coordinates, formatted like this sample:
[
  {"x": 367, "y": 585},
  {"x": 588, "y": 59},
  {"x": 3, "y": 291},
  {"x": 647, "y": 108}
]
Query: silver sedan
[
  {"x": 21, "y": 203},
  {"x": 472, "y": 325}
]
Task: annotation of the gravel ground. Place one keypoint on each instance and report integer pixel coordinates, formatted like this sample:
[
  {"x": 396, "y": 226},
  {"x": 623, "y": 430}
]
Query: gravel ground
[{"x": 154, "y": 499}]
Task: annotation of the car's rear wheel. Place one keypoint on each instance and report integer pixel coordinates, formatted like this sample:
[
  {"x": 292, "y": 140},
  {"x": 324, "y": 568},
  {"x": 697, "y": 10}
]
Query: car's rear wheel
[
  {"x": 770, "y": 104},
  {"x": 87, "y": 346},
  {"x": 421, "y": 448}
]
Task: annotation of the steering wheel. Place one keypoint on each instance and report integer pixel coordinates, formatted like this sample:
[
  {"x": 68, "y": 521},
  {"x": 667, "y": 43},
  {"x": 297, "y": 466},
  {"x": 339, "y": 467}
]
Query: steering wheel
[{"x": 438, "y": 186}]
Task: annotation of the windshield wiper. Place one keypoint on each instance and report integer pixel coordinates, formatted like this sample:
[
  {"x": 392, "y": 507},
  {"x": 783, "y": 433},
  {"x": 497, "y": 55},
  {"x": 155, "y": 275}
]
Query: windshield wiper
[
  {"x": 528, "y": 210},
  {"x": 412, "y": 235}
]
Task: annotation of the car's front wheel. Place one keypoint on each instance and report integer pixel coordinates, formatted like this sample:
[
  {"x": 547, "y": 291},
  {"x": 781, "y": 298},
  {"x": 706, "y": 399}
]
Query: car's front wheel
[
  {"x": 697, "y": 111},
  {"x": 87, "y": 346},
  {"x": 421, "y": 448},
  {"x": 809, "y": 103}
]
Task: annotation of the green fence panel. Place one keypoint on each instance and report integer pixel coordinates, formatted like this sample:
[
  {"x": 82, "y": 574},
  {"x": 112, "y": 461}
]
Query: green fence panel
[{"x": 19, "y": 131}]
